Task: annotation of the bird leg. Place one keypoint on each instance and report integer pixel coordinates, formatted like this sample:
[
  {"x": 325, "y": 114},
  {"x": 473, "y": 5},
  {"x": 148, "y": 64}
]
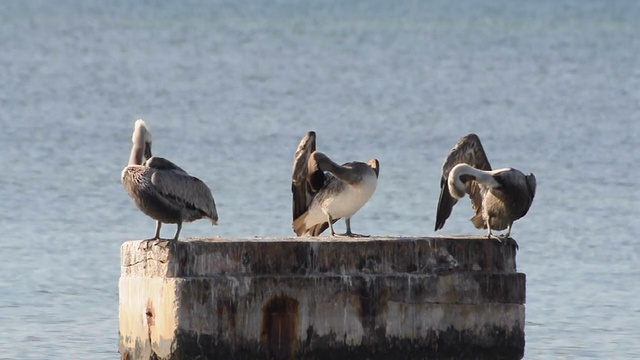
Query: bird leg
[
  {"x": 178, "y": 231},
  {"x": 504, "y": 239},
  {"x": 509, "y": 239},
  {"x": 155, "y": 237},
  {"x": 347, "y": 221},
  {"x": 508, "y": 233},
  {"x": 163, "y": 244},
  {"x": 490, "y": 234},
  {"x": 333, "y": 233}
]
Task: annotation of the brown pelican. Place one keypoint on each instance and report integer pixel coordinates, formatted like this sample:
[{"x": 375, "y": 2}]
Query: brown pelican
[
  {"x": 498, "y": 197},
  {"x": 161, "y": 189},
  {"x": 324, "y": 192}
]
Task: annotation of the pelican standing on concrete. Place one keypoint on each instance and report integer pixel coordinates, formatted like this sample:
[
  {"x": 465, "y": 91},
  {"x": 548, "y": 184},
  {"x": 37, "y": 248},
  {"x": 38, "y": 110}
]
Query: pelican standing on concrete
[
  {"x": 498, "y": 197},
  {"x": 324, "y": 192},
  {"x": 161, "y": 189}
]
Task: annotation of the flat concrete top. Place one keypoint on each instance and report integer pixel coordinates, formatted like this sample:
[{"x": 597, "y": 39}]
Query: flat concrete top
[
  {"x": 327, "y": 239},
  {"x": 316, "y": 256}
]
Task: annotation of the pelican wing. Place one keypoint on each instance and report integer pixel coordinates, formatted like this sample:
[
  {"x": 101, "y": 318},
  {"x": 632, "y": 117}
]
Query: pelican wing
[
  {"x": 528, "y": 188},
  {"x": 530, "y": 180},
  {"x": 531, "y": 184},
  {"x": 302, "y": 193},
  {"x": 445, "y": 205},
  {"x": 467, "y": 150},
  {"x": 185, "y": 191}
]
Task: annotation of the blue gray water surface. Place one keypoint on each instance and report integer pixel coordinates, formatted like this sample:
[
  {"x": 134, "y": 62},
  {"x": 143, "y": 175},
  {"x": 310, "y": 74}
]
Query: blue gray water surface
[{"x": 229, "y": 88}]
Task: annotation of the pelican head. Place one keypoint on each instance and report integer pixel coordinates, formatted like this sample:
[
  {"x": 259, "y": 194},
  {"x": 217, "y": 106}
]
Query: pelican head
[
  {"x": 141, "y": 140},
  {"x": 457, "y": 188},
  {"x": 142, "y": 135},
  {"x": 458, "y": 178},
  {"x": 141, "y": 132},
  {"x": 375, "y": 165},
  {"x": 461, "y": 174}
]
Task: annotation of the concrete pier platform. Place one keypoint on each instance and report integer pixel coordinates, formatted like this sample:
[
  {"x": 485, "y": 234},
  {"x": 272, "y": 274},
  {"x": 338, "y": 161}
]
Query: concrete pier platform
[{"x": 322, "y": 298}]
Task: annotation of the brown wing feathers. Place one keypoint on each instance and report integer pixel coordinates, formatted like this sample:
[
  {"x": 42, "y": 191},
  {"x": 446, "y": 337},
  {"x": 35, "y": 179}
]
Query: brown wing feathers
[
  {"x": 299, "y": 186},
  {"x": 467, "y": 150}
]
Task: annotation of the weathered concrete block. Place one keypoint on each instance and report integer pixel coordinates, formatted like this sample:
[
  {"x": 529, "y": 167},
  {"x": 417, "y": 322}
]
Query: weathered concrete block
[{"x": 319, "y": 298}]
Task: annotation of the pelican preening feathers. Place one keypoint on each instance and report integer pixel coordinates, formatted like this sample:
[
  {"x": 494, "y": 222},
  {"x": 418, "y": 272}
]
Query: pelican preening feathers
[
  {"x": 161, "y": 189},
  {"x": 498, "y": 197},
  {"x": 324, "y": 192}
]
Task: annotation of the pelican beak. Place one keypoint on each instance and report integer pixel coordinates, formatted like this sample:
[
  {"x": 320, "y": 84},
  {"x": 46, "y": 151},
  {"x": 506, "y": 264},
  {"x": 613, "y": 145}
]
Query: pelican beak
[
  {"x": 375, "y": 165},
  {"x": 147, "y": 150}
]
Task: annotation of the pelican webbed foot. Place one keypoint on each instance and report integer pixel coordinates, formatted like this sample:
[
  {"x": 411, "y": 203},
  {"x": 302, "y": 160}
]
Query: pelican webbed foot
[
  {"x": 490, "y": 234},
  {"x": 163, "y": 243},
  {"x": 350, "y": 234},
  {"x": 495, "y": 237},
  {"x": 508, "y": 239},
  {"x": 148, "y": 243},
  {"x": 155, "y": 237},
  {"x": 347, "y": 222},
  {"x": 504, "y": 239}
]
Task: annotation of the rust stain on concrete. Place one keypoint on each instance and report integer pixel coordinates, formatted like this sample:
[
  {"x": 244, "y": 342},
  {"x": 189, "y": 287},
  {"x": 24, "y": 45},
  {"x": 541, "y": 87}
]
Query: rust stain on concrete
[
  {"x": 280, "y": 321},
  {"x": 150, "y": 313}
]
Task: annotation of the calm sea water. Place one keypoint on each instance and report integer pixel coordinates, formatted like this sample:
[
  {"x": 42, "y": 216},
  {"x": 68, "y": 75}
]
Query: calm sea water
[{"x": 229, "y": 88}]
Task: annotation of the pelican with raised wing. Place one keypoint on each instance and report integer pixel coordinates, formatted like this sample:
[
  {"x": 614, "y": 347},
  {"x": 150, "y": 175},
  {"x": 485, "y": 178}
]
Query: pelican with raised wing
[
  {"x": 324, "y": 192},
  {"x": 161, "y": 189},
  {"x": 498, "y": 197}
]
